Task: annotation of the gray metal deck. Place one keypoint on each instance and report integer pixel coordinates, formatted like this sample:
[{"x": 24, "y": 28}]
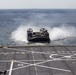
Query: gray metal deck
[{"x": 38, "y": 60}]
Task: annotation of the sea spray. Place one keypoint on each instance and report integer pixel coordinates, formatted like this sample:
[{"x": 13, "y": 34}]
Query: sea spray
[
  {"x": 20, "y": 34},
  {"x": 62, "y": 32},
  {"x": 55, "y": 33}
]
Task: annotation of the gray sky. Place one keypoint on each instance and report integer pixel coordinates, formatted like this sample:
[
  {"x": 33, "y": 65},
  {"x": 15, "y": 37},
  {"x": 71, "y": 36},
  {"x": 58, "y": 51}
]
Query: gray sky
[{"x": 23, "y": 4}]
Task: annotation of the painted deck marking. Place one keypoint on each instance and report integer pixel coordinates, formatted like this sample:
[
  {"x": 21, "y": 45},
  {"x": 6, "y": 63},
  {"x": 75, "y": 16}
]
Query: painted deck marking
[
  {"x": 10, "y": 71},
  {"x": 53, "y": 68},
  {"x": 39, "y": 64},
  {"x": 34, "y": 63}
]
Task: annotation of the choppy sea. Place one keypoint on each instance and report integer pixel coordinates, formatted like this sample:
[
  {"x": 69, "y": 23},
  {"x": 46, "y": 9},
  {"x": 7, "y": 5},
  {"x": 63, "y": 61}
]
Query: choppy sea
[{"x": 60, "y": 23}]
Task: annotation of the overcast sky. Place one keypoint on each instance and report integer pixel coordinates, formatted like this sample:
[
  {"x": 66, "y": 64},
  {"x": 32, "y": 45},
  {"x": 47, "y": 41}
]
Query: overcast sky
[{"x": 25, "y": 4}]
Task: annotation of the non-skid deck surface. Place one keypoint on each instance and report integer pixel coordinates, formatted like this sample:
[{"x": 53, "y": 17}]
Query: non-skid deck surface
[{"x": 38, "y": 60}]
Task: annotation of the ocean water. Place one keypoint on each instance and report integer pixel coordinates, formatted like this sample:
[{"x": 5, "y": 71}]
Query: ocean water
[{"x": 60, "y": 23}]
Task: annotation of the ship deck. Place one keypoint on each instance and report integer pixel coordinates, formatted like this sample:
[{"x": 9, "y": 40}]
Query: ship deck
[{"x": 38, "y": 60}]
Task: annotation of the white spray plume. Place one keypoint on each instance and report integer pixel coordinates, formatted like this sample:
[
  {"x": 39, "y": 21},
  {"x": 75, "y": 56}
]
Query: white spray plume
[
  {"x": 20, "y": 34},
  {"x": 62, "y": 32}
]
